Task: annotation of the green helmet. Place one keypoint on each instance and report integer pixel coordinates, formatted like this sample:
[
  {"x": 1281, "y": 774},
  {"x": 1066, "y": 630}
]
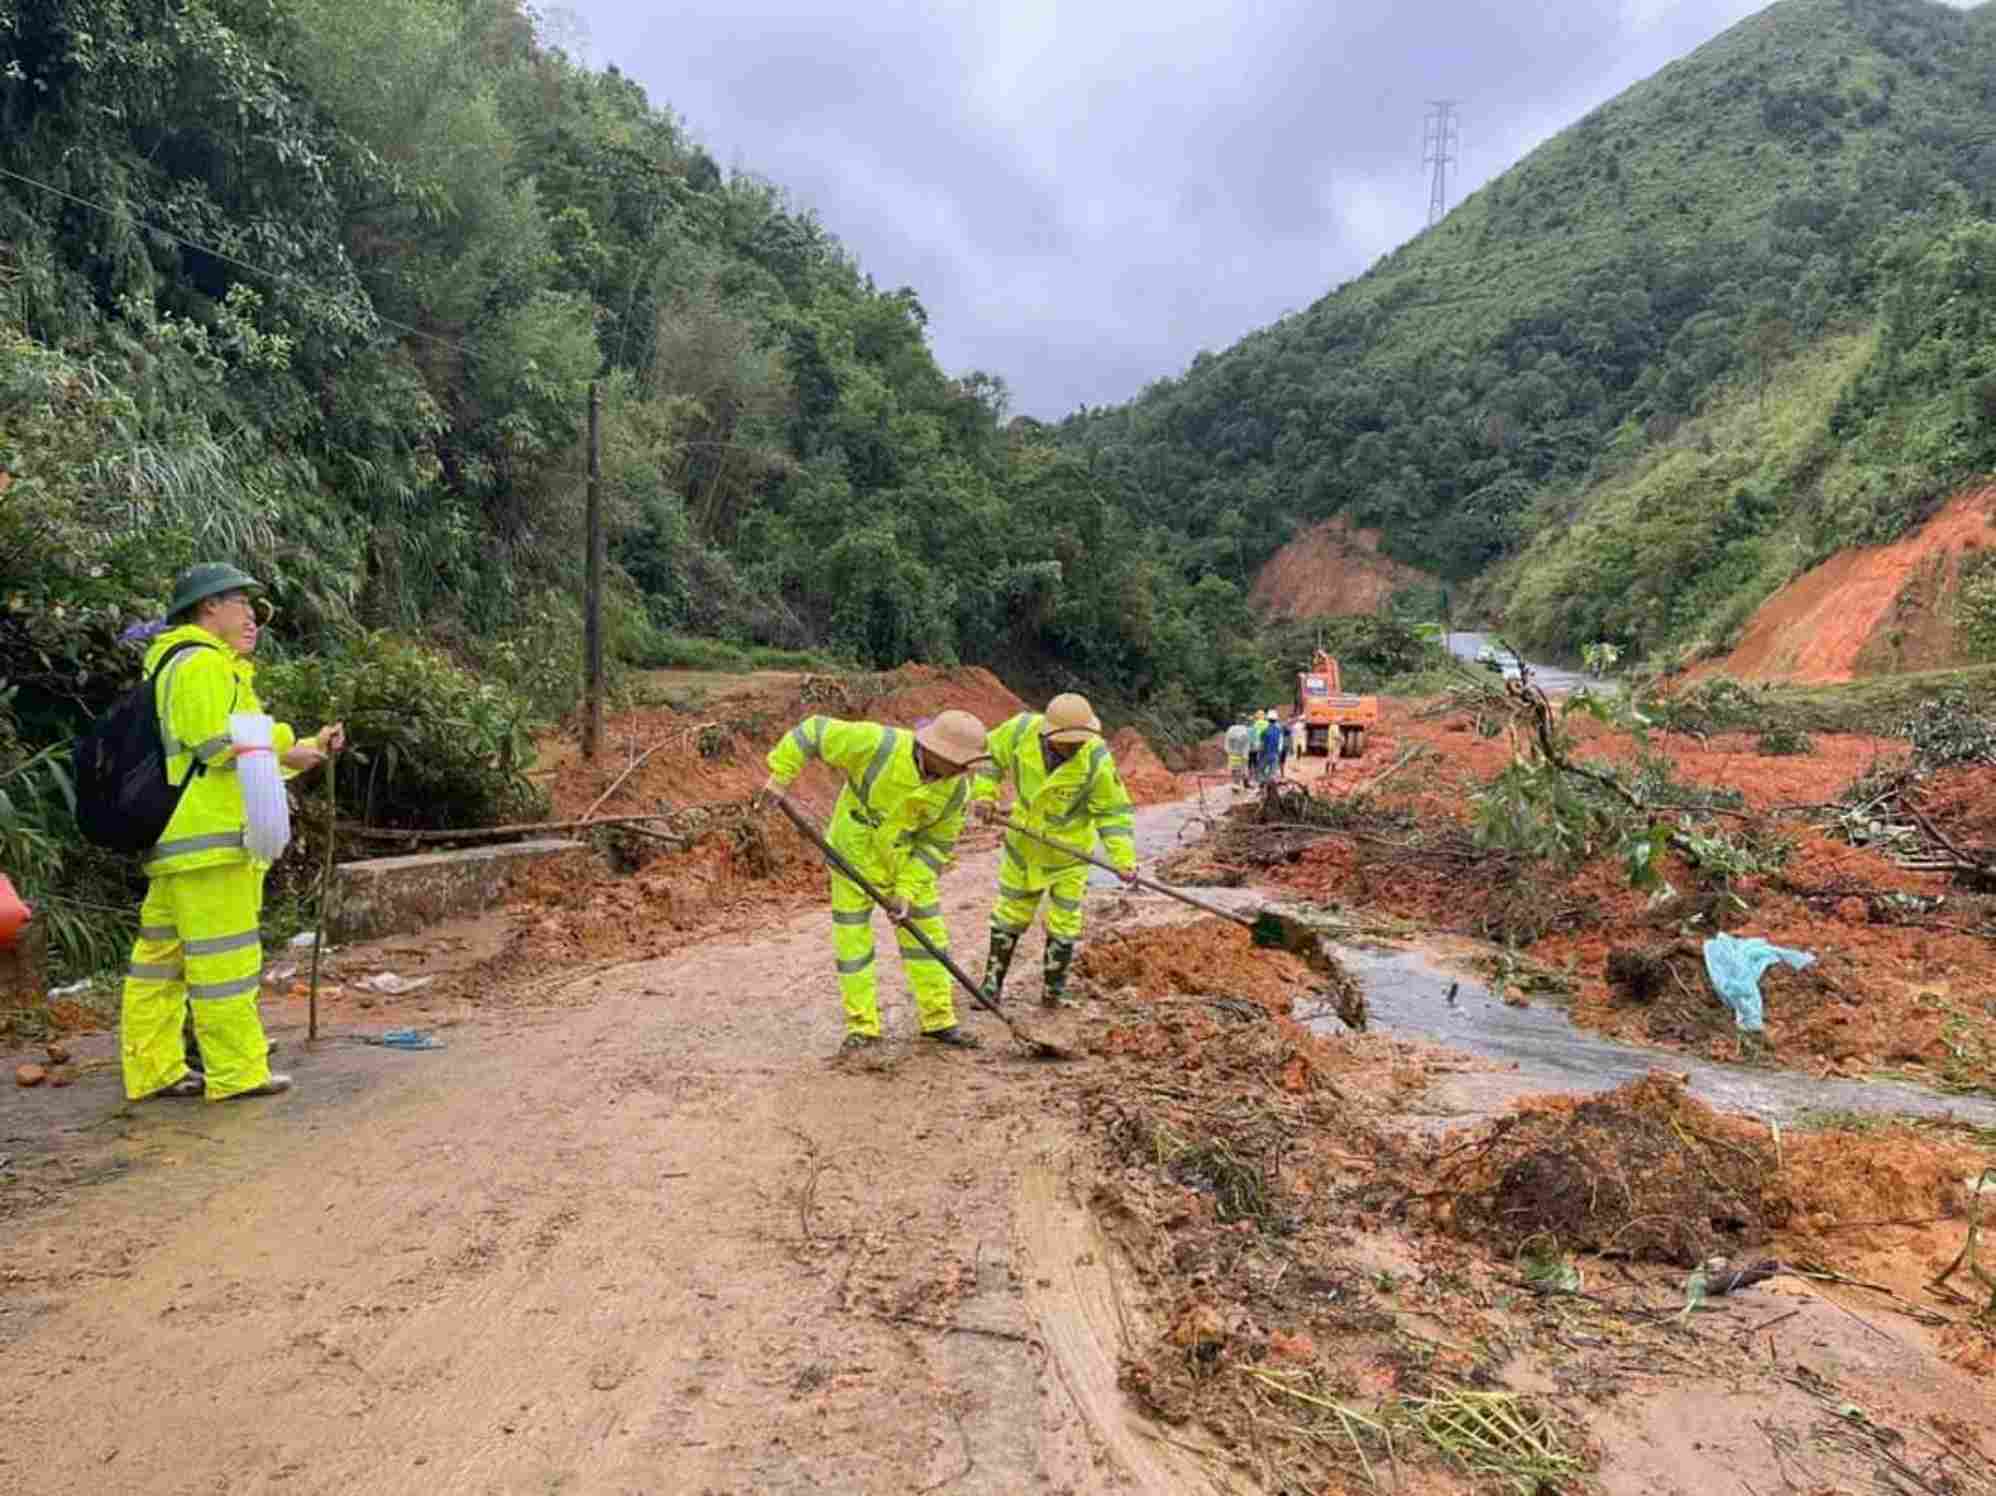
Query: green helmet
[{"x": 209, "y": 579}]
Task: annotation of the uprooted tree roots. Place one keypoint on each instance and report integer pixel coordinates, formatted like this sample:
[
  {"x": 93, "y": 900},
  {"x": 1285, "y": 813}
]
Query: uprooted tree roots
[{"x": 1644, "y": 1171}]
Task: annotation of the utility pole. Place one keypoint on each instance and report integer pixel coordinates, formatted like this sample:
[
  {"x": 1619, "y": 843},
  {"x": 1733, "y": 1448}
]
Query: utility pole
[
  {"x": 1441, "y": 145},
  {"x": 592, "y": 588}
]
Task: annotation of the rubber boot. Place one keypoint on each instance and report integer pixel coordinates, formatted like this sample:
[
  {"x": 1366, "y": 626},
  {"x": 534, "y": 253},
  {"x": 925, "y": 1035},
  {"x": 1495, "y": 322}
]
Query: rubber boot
[
  {"x": 1059, "y": 956},
  {"x": 1003, "y": 944}
]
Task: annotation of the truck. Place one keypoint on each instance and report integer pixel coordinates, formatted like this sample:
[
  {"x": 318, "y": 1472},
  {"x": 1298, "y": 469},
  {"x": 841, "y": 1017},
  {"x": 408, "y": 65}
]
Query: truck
[{"x": 1326, "y": 711}]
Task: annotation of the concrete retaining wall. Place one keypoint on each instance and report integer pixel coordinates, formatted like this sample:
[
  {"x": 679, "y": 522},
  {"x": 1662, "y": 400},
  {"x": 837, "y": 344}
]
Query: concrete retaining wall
[{"x": 401, "y": 895}]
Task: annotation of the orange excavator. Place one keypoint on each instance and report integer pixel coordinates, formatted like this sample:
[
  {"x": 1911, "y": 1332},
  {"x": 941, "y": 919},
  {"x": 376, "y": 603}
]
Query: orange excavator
[{"x": 1327, "y": 711}]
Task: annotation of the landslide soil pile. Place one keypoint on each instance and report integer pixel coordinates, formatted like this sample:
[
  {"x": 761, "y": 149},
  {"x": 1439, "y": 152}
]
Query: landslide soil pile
[
  {"x": 1331, "y": 569},
  {"x": 711, "y": 866},
  {"x": 1649, "y": 1172},
  {"x": 1320, "y": 1294},
  {"x": 1904, "y": 978},
  {"x": 1871, "y": 611}
]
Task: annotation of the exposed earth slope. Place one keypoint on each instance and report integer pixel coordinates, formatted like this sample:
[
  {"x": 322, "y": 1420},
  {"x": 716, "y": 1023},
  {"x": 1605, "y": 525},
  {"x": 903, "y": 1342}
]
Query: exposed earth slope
[{"x": 1874, "y": 610}]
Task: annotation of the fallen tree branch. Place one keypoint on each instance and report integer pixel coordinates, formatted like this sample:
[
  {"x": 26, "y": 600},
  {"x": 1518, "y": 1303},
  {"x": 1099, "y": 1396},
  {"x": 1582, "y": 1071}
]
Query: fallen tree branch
[{"x": 635, "y": 764}]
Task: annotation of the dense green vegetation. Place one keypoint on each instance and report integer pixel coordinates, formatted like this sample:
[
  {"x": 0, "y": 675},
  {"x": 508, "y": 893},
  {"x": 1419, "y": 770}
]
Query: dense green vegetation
[
  {"x": 1785, "y": 235},
  {"x": 319, "y": 288}
]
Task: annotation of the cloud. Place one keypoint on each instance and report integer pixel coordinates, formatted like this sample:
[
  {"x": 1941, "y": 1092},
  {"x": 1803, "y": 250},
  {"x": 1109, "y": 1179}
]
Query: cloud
[{"x": 1087, "y": 194}]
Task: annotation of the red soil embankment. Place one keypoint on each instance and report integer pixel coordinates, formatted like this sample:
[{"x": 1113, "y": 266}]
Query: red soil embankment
[{"x": 1873, "y": 611}]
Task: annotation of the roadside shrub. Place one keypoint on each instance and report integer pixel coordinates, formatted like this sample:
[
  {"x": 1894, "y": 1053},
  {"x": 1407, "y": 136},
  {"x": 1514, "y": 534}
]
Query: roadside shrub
[
  {"x": 1785, "y": 742},
  {"x": 1947, "y": 729},
  {"x": 1975, "y": 605},
  {"x": 435, "y": 746},
  {"x": 1720, "y": 704}
]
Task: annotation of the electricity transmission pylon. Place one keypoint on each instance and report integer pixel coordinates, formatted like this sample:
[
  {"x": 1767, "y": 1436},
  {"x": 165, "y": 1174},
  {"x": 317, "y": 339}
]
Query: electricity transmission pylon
[{"x": 1441, "y": 145}]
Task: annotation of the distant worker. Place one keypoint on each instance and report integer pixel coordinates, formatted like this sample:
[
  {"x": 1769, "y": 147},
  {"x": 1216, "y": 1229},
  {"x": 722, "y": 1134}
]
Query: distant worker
[
  {"x": 1298, "y": 736},
  {"x": 1066, "y": 787},
  {"x": 1237, "y": 752},
  {"x": 897, "y": 820},
  {"x": 1274, "y": 741},
  {"x": 1255, "y": 725}
]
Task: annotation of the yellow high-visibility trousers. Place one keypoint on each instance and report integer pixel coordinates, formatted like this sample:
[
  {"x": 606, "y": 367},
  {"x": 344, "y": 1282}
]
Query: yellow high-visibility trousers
[
  {"x": 198, "y": 946},
  {"x": 1023, "y": 880},
  {"x": 852, "y": 940}
]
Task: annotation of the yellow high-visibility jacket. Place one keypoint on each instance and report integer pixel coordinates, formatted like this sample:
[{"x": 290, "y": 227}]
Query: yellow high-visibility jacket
[
  {"x": 1078, "y": 802},
  {"x": 195, "y": 693},
  {"x": 912, "y": 827}
]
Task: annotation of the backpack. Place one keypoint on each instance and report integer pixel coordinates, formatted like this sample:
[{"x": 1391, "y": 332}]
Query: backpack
[{"x": 123, "y": 797}]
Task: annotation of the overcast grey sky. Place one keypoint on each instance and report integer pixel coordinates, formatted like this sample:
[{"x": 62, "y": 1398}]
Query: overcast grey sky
[{"x": 1085, "y": 193}]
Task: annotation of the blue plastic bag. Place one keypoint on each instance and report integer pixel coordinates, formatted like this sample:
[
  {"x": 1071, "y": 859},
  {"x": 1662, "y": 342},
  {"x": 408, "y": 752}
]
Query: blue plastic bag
[{"x": 1736, "y": 966}]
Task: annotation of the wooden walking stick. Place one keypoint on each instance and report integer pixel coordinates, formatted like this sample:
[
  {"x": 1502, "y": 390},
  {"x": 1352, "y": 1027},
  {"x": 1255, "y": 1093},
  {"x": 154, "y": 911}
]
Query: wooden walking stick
[{"x": 325, "y": 894}]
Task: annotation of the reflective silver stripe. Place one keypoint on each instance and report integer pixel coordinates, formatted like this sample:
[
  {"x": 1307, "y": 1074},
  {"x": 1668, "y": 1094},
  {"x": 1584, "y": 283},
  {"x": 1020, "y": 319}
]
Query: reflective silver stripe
[
  {"x": 158, "y": 932},
  {"x": 889, "y": 738},
  {"x": 1029, "y": 724},
  {"x": 1117, "y": 833},
  {"x": 1072, "y": 906},
  {"x": 154, "y": 971},
  {"x": 998, "y": 924},
  {"x": 197, "y": 844},
  {"x": 210, "y": 991},
  {"x": 913, "y": 952},
  {"x": 855, "y": 967},
  {"x": 220, "y": 943},
  {"x": 928, "y": 859},
  {"x": 852, "y": 916},
  {"x": 926, "y": 911},
  {"x": 813, "y": 746},
  {"x": 1079, "y": 807},
  {"x": 214, "y": 748},
  {"x": 1020, "y": 895}
]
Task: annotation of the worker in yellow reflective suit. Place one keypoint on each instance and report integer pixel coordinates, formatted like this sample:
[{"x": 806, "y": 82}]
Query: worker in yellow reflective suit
[
  {"x": 199, "y": 942},
  {"x": 1067, "y": 788},
  {"x": 899, "y": 814}
]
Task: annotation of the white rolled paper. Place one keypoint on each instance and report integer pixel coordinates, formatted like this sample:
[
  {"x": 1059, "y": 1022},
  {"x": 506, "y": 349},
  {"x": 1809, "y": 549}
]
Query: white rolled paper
[{"x": 266, "y": 810}]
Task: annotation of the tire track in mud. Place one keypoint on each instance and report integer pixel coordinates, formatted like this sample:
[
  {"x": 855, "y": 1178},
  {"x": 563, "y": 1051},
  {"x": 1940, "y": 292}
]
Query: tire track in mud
[{"x": 1078, "y": 1305}]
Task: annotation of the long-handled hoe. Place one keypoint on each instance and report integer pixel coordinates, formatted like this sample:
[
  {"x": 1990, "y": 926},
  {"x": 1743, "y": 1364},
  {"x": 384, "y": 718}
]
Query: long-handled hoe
[
  {"x": 1268, "y": 926},
  {"x": 1041, "y": 1047}
]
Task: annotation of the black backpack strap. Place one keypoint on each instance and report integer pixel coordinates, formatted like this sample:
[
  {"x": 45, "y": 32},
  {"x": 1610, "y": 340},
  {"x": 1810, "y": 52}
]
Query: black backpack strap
[{"x": 194, "y": 764}]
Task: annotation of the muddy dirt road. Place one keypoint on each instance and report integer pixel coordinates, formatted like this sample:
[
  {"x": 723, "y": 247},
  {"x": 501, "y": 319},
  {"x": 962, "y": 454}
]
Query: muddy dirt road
[{"x": 642, "y": 1239}]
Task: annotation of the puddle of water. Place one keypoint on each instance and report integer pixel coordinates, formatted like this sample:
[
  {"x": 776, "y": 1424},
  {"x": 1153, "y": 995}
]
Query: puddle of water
[{"x": 1407, "y": 991}]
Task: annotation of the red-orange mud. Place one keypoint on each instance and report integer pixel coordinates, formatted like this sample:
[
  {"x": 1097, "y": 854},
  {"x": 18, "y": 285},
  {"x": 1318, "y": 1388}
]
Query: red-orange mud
[
  {"x": 1331, "y": 569},
  {"x": 1868, "y": 611},
  {"x": 1892, "y": 995},
  {"x": 733, "y": 878}
]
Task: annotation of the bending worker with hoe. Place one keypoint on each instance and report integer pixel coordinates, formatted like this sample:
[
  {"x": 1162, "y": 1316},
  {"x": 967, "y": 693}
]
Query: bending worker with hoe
[
  {"x": 898, "y": 817},
  {"x": 1067, "y": 791}
]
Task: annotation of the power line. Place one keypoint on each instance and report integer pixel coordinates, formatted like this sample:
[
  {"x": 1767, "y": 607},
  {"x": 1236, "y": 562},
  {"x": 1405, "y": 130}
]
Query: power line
[{"x": 228, "y": 259}]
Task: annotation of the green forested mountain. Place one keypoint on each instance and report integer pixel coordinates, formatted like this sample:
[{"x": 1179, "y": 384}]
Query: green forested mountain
[{"x": 1793, "y": 221}]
